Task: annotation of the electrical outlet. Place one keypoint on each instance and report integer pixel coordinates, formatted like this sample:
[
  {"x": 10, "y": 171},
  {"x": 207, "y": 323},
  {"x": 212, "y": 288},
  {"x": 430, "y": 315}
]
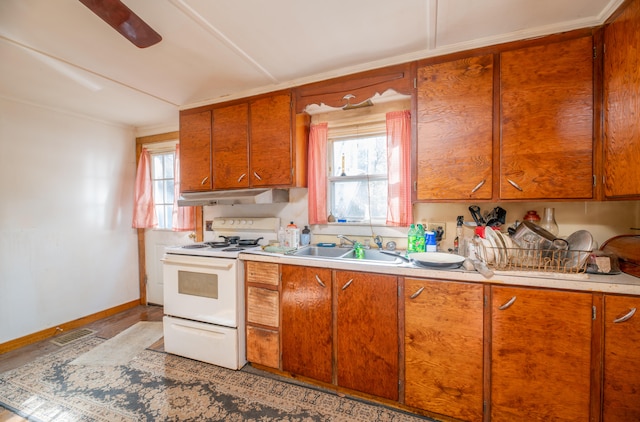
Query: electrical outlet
[
  {"x": 434, "y": 227},
  {"x": 208, "y": 226}
]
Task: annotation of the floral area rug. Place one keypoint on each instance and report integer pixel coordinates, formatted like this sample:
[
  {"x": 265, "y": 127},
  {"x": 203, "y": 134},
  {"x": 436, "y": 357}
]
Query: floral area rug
[{"x": 156, "y": 386}]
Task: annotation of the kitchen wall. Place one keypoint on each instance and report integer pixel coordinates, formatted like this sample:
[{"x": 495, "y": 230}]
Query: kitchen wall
[
  {"x": 602, "y": 219},
  {"x": 67, "y": 248}
]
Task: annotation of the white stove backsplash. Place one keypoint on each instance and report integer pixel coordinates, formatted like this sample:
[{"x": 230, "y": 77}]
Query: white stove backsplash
[{"x": 245, "y": 227}]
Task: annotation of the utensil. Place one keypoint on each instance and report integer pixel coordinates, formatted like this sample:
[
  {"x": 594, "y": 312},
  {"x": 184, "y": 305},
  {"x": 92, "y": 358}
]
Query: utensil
[{"x": 476, "y": 215}]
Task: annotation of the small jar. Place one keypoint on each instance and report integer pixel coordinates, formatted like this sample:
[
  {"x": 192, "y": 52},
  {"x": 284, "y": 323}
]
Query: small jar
[{"x": 532, "y": 216}]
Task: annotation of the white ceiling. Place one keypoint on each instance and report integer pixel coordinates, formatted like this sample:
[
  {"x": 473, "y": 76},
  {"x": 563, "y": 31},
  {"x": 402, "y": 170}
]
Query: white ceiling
[{"x": 58, "y": 54}]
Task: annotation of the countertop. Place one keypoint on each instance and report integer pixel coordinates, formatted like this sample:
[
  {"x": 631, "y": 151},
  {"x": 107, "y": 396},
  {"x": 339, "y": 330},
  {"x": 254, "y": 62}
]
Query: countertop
[{"x": 619, "y": 283}]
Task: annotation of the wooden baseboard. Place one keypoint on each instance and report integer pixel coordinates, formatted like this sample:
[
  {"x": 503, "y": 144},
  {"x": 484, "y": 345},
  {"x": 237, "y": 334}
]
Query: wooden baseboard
[{"x": 67, "y": 326}]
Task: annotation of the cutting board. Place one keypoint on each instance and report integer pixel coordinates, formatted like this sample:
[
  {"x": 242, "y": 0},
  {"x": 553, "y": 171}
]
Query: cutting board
[{"x": 627, "y": 249}]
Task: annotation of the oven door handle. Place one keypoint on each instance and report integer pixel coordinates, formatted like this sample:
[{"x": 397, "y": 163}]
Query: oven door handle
[{"x": 213, "y": 264}]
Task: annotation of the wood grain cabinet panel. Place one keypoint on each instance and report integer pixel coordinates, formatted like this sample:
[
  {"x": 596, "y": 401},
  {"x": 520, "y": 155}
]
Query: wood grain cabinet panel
[
  {"x": 231, "y": 147},
  {"x": 540, "y": 355},
  {"x": 195, "y": 151},
  {"x": 455, "y": 129},
  {"x": 444, "y": 347},
  {"x": 622, "y": 105},
  {"x": 621, "y": 359},
  {"x": 262, "y": 273},
  {"x": 546, "y": 95},
  {"x": 306, "y": 326},
  {"x": 271, "y": 141},
  {"x": 367, "y": 333},
  {"x": 263, "y": 346}
]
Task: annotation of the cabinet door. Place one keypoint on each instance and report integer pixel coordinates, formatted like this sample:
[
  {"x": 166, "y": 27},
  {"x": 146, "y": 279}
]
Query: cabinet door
[
  {"x": 621, "y": 357},
  {"x": 306, "y": 322},
  {"x": 547, "y": 121},
  {"x": 231, "y": 147},
  {"x": 540, "y": 355},
  {"x": 271, "y": 143},
  {"x": 455, "y": 130},
  {"x": 367, "y": 333},
  {"x": 444, "y": 347},
  {"x": 621, "y": 104},
  {"x": 195, "y": 151}
]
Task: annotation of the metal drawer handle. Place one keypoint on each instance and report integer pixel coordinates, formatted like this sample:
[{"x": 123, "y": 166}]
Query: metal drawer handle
[
  {"x": 515, "y": 185},
  {"x": 204, "y": 180},
  {"x": 319, "y": 281},
  {"x": 507, "y": 304},
  {"x": 257, "y": 176},
  {"x": 416, "y": 294},
  {"x": 348, "y": 284},
  {"x": 242, "y": 177},
  {"x": 625, "y": 317},
  {"x": 478, "y": 186}
]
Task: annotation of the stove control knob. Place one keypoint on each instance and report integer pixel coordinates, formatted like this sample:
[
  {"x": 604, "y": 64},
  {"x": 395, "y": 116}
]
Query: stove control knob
[
  {"x": 221, "y": 222},
  {"x": 243, "y": 222},
  {"x": 250, "y": 222},
  {"x": 231, "y": 222}
]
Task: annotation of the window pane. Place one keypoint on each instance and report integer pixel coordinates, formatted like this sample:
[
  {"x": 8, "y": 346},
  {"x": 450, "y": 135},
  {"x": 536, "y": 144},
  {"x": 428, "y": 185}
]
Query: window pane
[
  {"x": 158, "y": 191},
  {"x": 160, "y": 215},
  {"x": 367, "y": 155},
  {"x": 156, "y": 166},
  {"x": 169, "y": 218},
  {"x": 168, "y": 166},
  {"x": 168, "y": 191},
  {"x": 359, "y": 200}
]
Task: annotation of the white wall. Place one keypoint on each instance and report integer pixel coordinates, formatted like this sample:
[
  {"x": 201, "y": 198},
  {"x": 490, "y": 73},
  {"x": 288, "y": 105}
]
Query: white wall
[{"x": 67, "y": 248}]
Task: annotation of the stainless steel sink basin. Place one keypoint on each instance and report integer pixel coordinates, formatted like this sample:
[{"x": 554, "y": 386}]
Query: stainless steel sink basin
[
  {"x": 339, "y": 254},
  {"x": 373, "y": 255},
  {"x": 320, "y": 252}
]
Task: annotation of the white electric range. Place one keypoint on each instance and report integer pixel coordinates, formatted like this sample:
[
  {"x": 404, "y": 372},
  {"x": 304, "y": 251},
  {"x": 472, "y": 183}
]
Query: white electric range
[{"x": 204, "y": 291}]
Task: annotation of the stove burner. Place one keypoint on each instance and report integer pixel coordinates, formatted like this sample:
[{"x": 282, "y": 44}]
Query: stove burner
[
  {"x": 194, "y": 246},
  {"x": 217, "y": 244},
  {"x": 233, "y": 249}
]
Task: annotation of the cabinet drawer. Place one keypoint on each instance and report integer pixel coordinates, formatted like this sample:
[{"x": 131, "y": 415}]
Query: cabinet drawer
[
  {"x": 263, "y": 273},
  {"x": 262, "y": 306},
  {"x": 263, "y": 347}
]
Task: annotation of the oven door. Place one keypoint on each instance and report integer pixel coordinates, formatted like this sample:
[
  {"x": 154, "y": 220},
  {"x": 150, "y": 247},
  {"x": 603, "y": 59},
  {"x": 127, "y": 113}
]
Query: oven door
[{"x": 205, "y": 289}]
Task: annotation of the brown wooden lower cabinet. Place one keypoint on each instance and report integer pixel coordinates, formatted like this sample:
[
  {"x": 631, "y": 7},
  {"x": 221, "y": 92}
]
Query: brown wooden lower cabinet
[
  {"x": 444, "y": 347},
  {"x": 621, "y": 359},
  {"x": 367, "y": 333},
  {"x": 544, "y": 346},
  {"x": 307, "y": 322},
  {"x": 540, "y": 355}
]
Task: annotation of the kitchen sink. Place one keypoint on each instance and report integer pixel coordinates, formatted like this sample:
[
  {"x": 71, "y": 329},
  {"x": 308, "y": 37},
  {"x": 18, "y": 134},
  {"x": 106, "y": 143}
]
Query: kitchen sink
[
  {"x": 373, "y": 255},
  {"x": 346, "y": 254},
  {"x": 321, "y": 252}
]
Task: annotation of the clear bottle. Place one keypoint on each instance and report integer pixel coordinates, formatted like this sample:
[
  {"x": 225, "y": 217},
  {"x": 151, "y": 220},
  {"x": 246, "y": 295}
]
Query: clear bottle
[
  {"x": 420, "y": 241},
  {"x": 548, "y": 221},
  {"x": 305, "y": 237},
  {"x": 411, "y": 239},
  {"x": 282, "y": 236}
]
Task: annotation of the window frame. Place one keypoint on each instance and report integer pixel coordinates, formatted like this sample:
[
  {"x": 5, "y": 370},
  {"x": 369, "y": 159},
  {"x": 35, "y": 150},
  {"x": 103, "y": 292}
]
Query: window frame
[{"x": 376, "y": 128}]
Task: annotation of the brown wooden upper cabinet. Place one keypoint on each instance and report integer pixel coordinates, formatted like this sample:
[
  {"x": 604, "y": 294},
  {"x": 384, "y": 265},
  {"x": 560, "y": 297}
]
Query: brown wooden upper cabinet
[
  {"x": 195, "y": 151},
  {"x": 257, "y": 142},
  {"x": 455, "y": 138},
  {"x": 546, "y": 121},
  {"x": 622, "y": 105}
]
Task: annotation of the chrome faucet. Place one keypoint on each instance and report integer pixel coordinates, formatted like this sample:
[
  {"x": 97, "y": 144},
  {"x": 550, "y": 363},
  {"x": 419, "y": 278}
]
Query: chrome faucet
[{"x": 343, "y": 238}]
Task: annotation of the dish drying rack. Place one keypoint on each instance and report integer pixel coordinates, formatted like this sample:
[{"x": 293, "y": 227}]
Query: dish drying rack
[{"x": 543, "y": 260}]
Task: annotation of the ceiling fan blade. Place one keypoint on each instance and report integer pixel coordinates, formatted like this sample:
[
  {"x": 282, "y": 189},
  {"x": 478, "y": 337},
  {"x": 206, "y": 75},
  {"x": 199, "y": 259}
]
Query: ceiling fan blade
[{"x": 123, "y": 20}]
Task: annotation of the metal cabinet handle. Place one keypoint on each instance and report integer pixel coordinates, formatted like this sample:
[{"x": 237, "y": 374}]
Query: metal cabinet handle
[
  {"x": 242, "y": 176},
  {"x": 204, "y": 180},
  {"x": 507, "y": 304},
  {"x": 319, "y": 281},
  {"x": 348, "y": 284},
  {"x": 478, "y": 186},
  {"x": 515, "y": 185},
  {"x": 416, "y": 294},
  {"x": 257, "y": 176},
  {"x": 625, "y": 317}
]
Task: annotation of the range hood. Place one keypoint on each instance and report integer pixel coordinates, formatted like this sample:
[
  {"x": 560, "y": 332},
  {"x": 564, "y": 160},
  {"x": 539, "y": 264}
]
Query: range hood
[{"x": 233, "y": 197}]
